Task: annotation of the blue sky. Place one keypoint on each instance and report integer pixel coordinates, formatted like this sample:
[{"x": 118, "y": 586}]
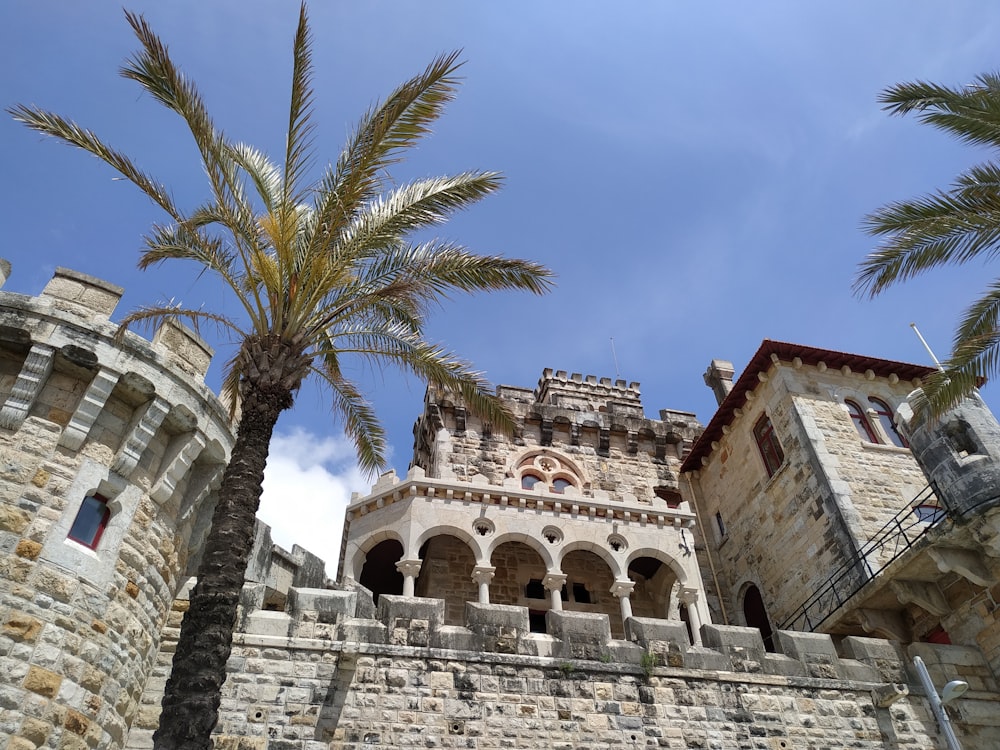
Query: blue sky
[{"x": 695, "y": 173}]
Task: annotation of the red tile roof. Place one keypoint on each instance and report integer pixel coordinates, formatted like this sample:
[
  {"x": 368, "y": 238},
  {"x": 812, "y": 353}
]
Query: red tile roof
[{"x": 761, "y": 362}]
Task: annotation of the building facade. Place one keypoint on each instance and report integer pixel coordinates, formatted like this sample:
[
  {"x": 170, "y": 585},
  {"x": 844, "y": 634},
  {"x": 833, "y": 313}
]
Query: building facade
[{"x": 596, "y": 579}]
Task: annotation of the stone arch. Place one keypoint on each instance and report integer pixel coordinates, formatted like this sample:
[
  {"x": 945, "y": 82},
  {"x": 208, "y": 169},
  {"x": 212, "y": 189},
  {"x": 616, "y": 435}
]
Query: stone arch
[
  {"x": 446, "y": 572},
  {"x": 602, "y": 552},
  {"x": 589, "y": 580},
  {"x": 378, "y": 573},
  {"x": 365, "y": 545},
  {"x": 660, "y": 555},
  {"x": 550, "y": 469},
  {"x": 518, "y": 564},
  {"x": 547, "y": 558},
  {"x": 656, "y": 583},
  {"x": 474, "y": 543}
]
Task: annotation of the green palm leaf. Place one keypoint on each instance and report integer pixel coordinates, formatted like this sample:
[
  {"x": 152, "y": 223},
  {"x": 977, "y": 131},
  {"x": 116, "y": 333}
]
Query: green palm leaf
[
  {"x": 947, "y": 227},
  {"x": 323, "y": 270}
]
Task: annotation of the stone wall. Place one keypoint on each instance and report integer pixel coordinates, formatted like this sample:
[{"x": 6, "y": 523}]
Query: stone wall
[
  {"x": 832, "y": 492},
  {"x": 600, "y": 425},
  {"x": 318, "y": 677},
  {"x": 83, "y": 412}
]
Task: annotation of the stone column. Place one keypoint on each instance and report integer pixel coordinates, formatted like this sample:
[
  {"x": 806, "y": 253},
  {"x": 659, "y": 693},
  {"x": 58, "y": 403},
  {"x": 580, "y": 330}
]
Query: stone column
[
  {"x": 689, "y": 597},
  {"x": 482, "y": 575},
  {"x": 410, "y": 570},
  {"x": 624, "y": 589},
  {"x": 553, "y": 583}
]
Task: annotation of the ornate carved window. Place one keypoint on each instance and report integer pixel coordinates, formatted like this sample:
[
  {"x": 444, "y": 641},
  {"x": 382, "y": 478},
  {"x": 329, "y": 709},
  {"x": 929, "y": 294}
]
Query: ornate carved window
[{"x": 543, "y": 470}]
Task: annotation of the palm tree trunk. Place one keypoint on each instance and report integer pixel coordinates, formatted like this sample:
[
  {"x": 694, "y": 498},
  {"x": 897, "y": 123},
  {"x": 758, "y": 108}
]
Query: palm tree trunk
[{"x": 193, "y": 691}]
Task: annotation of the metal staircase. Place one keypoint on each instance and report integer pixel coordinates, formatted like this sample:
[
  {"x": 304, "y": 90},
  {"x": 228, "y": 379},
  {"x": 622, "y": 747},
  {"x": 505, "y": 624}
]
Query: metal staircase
[{"x": 878, "y": 553}]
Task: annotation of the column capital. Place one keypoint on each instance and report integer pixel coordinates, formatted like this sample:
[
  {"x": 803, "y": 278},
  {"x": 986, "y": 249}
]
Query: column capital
[
  {"x": 554, "y": 581},
  {"x": 483, "y": 574},
  {"x": 689, "y": 596},
  {"x": 622, "y": 588},
  {"x": 409, "y": 567}
]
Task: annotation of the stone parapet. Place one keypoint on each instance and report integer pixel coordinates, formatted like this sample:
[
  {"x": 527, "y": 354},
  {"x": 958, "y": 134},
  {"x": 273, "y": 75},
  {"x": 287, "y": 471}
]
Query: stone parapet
[
  {"x": 319, "y": 676},
  {"x": 493, "y": 630}
]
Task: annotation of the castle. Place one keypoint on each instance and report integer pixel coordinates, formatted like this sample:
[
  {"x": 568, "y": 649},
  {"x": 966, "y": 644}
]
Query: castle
[{"x": 598, "y": 579}]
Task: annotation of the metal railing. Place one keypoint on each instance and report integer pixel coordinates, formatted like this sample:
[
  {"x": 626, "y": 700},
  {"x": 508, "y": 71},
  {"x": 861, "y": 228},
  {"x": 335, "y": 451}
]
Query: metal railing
[{"x": 888, "y": 543}]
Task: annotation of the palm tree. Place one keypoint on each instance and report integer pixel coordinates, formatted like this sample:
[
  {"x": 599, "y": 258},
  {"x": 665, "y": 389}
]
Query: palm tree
[
  {"x": 322, "y": 270},
  {"x": 945, "y": 227}
]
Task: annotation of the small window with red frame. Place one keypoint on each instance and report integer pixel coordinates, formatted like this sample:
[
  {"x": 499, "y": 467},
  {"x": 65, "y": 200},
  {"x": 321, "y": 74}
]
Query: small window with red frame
[
  {"x": 861, "y": 423},
  {"x": 767, "y": 443},
  {"x": 91, "y": 521}
]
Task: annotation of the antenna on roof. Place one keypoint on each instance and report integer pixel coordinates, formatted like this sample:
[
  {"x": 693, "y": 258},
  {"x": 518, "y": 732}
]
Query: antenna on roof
[
  {"x": 615, "y": 358},
  {"x": 926, "y": 346}
]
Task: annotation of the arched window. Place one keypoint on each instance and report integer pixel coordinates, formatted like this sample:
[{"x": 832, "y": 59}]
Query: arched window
[
  {"x": 756, "y": 616},
  {"x": 767, "y": 443},
  {"x": 861, "y": 423},
  {"x": 91, "y": 521},
  {"x": 887, "y": 419},
  {"x": 546, "y": 471},
  {"x": 528, "y": 481},
  {"x": 560, "y": 484}
]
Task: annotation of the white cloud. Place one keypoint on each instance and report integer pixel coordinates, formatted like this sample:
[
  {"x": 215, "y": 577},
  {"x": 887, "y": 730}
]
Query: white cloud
[{"x": 307, "y": 484}]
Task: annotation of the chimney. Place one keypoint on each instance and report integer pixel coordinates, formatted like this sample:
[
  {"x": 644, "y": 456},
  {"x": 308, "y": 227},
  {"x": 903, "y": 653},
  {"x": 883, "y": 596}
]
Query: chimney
[{"x": 719, "y": 377}]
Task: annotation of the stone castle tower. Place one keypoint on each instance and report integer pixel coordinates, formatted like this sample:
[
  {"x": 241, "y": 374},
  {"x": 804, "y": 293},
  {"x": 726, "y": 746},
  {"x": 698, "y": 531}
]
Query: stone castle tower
[
  {"x": 109, "y": 451},
  {"x": 597, "y": 579}
]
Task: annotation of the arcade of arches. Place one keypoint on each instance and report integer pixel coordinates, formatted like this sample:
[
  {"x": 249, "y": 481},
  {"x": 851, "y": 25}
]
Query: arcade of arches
[{"x": 581, "y": 581}]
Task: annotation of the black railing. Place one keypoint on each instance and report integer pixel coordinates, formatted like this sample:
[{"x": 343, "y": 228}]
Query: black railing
[{"x": 892, "y": 540}]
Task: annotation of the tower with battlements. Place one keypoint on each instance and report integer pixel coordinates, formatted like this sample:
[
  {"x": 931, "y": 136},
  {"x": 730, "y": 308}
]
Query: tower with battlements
[
  {"x": 579, "y": 510},
  {"x": 109, "y": 452}
]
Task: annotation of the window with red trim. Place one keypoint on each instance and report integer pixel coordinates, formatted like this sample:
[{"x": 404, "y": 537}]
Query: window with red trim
[
  {"x": 887, "y": 419},
  {"x": 767, "y": 443},
  {"x": 861, "y": 423},
  {"x": 560, "y": 484},
  {"x": 91, "y": 521}
]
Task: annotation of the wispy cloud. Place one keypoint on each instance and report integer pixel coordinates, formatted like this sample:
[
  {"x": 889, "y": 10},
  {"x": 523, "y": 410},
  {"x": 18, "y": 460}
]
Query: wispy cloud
[{"x": 307, "y": 484}]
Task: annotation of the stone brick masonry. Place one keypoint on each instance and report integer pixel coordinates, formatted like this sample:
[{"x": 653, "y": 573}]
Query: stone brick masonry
[{"x": 83, "y": 413}]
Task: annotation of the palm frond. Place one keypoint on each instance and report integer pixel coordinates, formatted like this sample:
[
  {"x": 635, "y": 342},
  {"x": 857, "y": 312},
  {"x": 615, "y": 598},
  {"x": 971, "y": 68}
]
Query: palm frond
[
  {"x": 69, "y": 132},
  {"x": 265, "y": 176},
  {"x": 358, "y": 416},
  {"x": 153, "y": 69},
  {"x": 298, "y": 145},
  {"x": 153, "y": 316},
  {"x": 397, "y": 347},
  {"x": 414, "y": 206},
  {"x": 383, "y": 134},
  {"x": 971, "y": 113},
  {"x": 931, "y": 231},
  {"x": 230, "y": 392}
]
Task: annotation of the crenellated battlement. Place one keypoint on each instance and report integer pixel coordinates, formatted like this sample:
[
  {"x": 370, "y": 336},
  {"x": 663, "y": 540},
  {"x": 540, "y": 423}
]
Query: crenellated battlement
[
  {"x": 584, "y": 415},
  {"x": 111, "y": 449},
  {"x": 586, "y": 393}
]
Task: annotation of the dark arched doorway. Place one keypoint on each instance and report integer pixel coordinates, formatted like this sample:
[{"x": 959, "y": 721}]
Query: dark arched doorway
[
  {"x": 379, "y": 574},
  {"x": 756, "y": 615}
]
